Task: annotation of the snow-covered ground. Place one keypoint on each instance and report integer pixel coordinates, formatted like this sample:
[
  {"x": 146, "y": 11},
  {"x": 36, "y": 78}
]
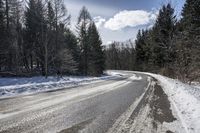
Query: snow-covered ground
[
  {"x": 22, "y": 86},
  {"x": 185, "y": 100}
]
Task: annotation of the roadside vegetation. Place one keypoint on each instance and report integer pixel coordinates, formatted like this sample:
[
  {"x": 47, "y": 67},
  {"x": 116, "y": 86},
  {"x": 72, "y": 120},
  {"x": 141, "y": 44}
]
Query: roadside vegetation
[{"x": 171, "y": 47}]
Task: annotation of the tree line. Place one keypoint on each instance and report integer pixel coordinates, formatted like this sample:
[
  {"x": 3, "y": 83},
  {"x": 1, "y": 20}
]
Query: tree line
[
  {"x": 171, "y": 47},
  {"x": 35, "y": 39},
  {"x": 120, "y": 56}
]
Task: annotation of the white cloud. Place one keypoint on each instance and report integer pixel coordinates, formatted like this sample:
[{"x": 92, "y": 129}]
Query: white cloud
[
  {"x": 99, "y": 21},
  {"x": 131, "y": 18}
]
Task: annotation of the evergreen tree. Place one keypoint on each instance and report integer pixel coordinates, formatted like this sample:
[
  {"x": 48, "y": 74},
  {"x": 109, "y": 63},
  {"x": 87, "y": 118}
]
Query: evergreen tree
[
  {"x": 155, "y": 48},
  {"x": 36, "y": 36},
  {"x": 191, "y": 31},
  {"x": 140, "y": 52},
  {"x": 72, "y": 44},
  {"x": 30, "y": 36},
  {"x": 67, "y": 65},
  {"x": 162, "y": 36},
  {"x": 96, "y": 54},
  {"x": 60, "y": 20},
  {"x": 84, "y": 20},
  {"x": 41, "y": 42},
  {"x": 51, "y": 41},
  {"x": 188, "y": 42},
  {"x": 143, "y": 50}
]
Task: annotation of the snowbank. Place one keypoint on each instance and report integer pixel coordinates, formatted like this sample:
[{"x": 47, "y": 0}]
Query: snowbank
[
  {"x": 17, "y": 86},
  {"x": 185, "y": 99}
]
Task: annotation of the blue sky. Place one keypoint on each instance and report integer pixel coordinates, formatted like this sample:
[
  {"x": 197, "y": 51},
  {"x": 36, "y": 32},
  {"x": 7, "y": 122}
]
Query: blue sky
[{"x": 120, "y": 20}]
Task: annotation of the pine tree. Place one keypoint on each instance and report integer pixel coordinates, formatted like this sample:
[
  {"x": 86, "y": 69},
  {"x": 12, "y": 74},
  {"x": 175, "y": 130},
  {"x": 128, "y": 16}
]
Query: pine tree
[
  {"x": 67, "y": 65},
  {"x": 30, "y": 37},
  {"x": 139, "y": 47},
  {"x": 36, "y": 35},
  {"x": 96, "y": 54},
  {"x": 188, "y": 40},
  {"x": 143, "y": 50},
  {"x": 60, "y": 19},
  {"x": 162, "y": 36},
  {"x": 191, "y": 23},
  {"x": 72, "y": 44},
  {"x": 84, "y": 20},
  {"x": 41, "y": 42}
]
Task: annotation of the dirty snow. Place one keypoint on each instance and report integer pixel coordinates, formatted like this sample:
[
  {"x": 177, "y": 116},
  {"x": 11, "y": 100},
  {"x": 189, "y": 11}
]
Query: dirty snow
[
  {"x": 18, "y": 86},
  {"x": 186, "y": 101},
  {"x": 142, "y": 123}
]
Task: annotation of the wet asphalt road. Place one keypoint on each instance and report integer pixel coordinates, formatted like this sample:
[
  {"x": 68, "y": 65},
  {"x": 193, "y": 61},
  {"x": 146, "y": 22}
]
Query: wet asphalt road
[{"x": 89, "y": 108}]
